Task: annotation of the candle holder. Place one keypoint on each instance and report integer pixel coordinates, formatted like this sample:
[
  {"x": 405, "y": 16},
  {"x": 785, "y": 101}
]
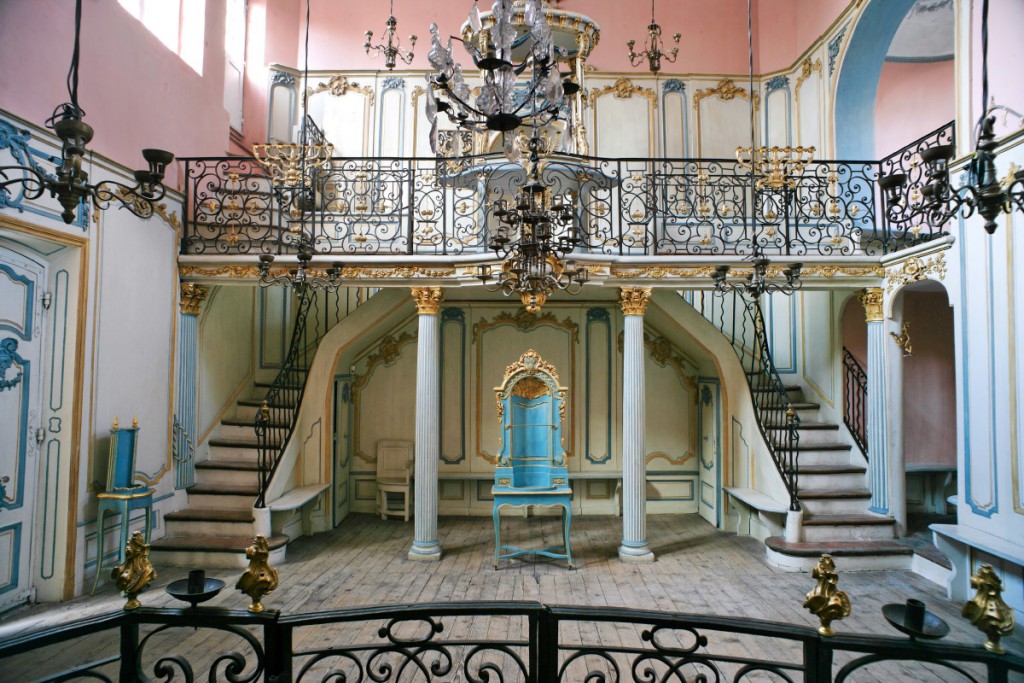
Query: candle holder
[
  {"x": 196, "y": 588},
  {"x": 915, "y": 620}
]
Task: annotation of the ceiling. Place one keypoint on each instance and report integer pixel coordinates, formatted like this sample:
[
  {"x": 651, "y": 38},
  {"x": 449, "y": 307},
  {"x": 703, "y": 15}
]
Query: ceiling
[{"x": 926, "y": 33}]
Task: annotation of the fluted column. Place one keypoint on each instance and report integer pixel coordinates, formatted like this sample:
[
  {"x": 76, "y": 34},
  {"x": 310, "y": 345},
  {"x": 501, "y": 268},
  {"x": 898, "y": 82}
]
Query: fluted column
[
  {"x": 634, "y": 546},
  {"x": 428, "y": 413},
  {"x": 186, "y": 385},
  {"x": 877, "y": 403}
]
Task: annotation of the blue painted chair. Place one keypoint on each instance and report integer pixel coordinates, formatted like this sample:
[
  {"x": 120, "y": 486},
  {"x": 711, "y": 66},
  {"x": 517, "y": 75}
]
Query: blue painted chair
[
  {"x": 122, "y": 495},
  {"x": 531, "y": 467}
]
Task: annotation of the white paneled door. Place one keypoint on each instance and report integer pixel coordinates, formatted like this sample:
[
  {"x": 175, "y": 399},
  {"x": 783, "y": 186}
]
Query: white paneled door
[{"x": 22, "y": 281}]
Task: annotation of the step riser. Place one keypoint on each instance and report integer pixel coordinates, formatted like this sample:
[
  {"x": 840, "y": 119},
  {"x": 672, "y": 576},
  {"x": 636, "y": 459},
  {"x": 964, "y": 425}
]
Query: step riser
[
  {"x": 236, "y": 433},
  {"x": 810, "y": 436},
  {"x": 220, "y": 501},
  {"x": 227, "y": 477},
  {"x": 208, "y": 528},
  {"x": 824, "y": 458},
  {"x": 849, "y": 532},
  {"x": 209, "y": 558},
  {"x": 818, "y": 482},
  {"x": 234, "y": 453},
  {"x": 834, "y": 506}
]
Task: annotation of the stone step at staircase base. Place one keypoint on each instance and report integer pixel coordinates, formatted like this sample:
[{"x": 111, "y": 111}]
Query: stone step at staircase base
[
  {"x": 202, "y": 552},
  {"x": 209, "y": 522},
  {"x": 849, "y": 555}
]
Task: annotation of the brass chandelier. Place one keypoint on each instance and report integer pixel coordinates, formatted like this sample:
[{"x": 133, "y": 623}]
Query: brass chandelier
[
  {"x": 653, "y": 50},
  {"x": 761, "y": 279},
  {"x": 391, "y": 48},
  {"x": 70, "y": 185},
  {"x": 532, "y": 240}
]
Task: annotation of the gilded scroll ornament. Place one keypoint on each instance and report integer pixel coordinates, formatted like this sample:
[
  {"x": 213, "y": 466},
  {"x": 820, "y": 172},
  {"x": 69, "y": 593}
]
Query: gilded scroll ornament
[
  {"x": 825, "y": 601},
  {"x": 530, "y": 388},
  {"x": 634, "y": 300},
  {"x": 402, "y": 272},
  {"x": 807, "y": 67},
  {"x": 871, "y": 299},
  {"x": 524, "y": 321},
  {"x": 987, "y": 611},
  {"x": 623, "y": 89},
  {"x": 136, "y": 572},
  {"x": 192, "y": 298},
  {"x": 915, "y": 269},
  {"x": 726, "y": 89},
  {"x": 903, "y": 340},
  {"x": 340, "y": 85},
  {"x": 428, "y": 300},
  {"x": 260, "y": 578},
  {"x": 230, "y": 271}
]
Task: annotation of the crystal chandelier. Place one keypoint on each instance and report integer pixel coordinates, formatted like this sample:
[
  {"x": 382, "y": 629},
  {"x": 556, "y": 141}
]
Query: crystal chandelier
[
  {"x": 533, "y": 239},
  {"x": 490, "y": 43},
  {"x": 392, "y": 49},
  {"x": 71, "y": 185},
  {"x": 653, "y": 47},
  {"x": 983, "y": 192},
  {"x": 760, "y": 279}
]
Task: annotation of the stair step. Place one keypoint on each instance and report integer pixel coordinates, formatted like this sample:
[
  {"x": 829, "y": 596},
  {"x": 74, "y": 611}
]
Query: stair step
[
  {"x": 258, "y": 402},
  {"x": 240, "y": 443},
  {"x": 802, "y": 425},
  {"x": 223, "y": 544},
  {"x": 831, "y": 469},
  {"x": 236, "y": 465},
  {"x": 805, "y": 405},
  {"x": 847, "y": 520},
  {"x": 834, "y": 494},
  {"x": 223, "y": 490},
  {"x": 239, "y": 422},
  {"x": 787, "y": 387},
  {"x": 829, "y": 446},
  {"x": 837, "y": 548},
  {"x": 269, "y": 385},
  {"x": 210, "y": 515}
]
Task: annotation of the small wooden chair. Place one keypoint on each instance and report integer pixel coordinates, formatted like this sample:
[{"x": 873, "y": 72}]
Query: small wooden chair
[
  {"x": 394, "y": 475},
  {"x": 122, "y": 494}
]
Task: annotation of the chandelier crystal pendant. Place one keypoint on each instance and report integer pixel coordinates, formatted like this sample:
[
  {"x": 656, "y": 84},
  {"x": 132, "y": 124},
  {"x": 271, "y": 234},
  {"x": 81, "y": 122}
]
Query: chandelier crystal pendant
[
  {"x": 497, "y": 107},
  {"x": 532, "y": 240},
  {"x": 391, "y": 48},
  {"x": 70, "y": 184},
  {"x": 654, "y": 50}
]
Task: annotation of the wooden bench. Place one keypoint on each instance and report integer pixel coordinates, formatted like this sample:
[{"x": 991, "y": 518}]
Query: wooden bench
[{"x": 752, "y": 504}]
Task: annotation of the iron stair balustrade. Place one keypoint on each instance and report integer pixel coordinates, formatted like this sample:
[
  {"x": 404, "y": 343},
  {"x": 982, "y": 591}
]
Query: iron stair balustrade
[
  {"x": 776, "y": 420},
  {"x": 855, "y": 403}
]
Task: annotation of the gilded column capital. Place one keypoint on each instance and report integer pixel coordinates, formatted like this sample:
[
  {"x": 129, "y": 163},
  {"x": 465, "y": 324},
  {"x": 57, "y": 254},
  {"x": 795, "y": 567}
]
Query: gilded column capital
[
  {"x": 871, "y": 300},
  {"x": 428, "y": 300},
  {"x": 634, "y": 300},
  {"x": 192, "y": 297}
]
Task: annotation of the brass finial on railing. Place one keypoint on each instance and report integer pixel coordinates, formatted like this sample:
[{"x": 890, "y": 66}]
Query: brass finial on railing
[
  {"x": 825, "y": 601},
  {"x": 790, "y": 416},
  {"x": 136, "y": 572},
  {"x": 260, "y": 578},
  {"x": 265, "y": 410},
  {"x": 987, "y": 611}
]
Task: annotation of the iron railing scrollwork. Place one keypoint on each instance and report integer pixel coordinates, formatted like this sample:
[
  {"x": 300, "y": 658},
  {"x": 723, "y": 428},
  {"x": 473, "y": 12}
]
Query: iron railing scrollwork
[
  {"x": 742, "y": 323},
  {"x": 855, "y": 400},
  {"x": 444, "y": 642}
]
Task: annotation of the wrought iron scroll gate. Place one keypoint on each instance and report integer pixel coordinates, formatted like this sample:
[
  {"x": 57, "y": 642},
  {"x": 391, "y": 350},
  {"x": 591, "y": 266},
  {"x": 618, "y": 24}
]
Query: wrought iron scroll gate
[{"x": 532, "y": 643}]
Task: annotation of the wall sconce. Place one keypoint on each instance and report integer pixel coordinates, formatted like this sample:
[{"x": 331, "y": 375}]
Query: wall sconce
[{"x": 903, "y": 340}]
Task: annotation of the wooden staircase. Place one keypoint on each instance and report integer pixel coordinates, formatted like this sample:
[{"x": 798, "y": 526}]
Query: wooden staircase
[{"x": 217, "y": 525}]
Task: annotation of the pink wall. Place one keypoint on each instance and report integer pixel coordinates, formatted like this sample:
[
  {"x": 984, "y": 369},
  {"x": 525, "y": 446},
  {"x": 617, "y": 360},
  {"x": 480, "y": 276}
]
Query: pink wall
[
  {"x": 855, "y": 331},
  {"x": 136, "y": 92},
  {"x": 1005, "y": 55},
  {"x": 786, "y": 29},
  {"x": 914, "y": 98},
  {"x": 929, "y": 381}
]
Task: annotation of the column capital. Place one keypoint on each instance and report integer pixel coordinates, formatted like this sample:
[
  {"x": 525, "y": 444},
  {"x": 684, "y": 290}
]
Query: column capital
[
  {"x": 428, "y": 300},
  {"x": 871, "y": 300},
  {"x": 634, "y": 300},
  {"x": 192, "y": 297}
]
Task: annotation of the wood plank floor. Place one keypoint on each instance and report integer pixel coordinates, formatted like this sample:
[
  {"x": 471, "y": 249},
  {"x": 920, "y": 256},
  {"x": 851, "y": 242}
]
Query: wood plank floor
[{"x": 363, "y": 562}]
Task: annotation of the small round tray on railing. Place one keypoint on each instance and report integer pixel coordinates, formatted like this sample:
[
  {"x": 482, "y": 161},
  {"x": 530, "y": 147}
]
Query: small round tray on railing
[
  {"x": 932, "y": 625},
  {"x": 179, "y": 590}
]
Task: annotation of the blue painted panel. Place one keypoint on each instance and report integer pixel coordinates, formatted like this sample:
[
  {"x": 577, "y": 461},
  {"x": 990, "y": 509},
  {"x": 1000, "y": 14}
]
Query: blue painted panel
[
  {"x": 25, "y": 330},
  {"x": 15, "y": 530},
  {"x": 24, "y": 382}
]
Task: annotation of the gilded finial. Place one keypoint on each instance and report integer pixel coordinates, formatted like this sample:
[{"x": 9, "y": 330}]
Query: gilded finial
[
  {"x": 135, "y": 422},
  {"x": 115, "y": 427},
  {"x": 825, "y": 601},
  {"x": 265, "y": 411},
  {"x": 260, "y": 578},
  {"x": 136, "y": 572},
  {"x": 790, "y": 415},
  {"x": 987, "y": 611}
]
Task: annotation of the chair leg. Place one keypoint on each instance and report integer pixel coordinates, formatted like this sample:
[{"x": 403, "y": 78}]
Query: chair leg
[
  {"x": 405, "y": 502},
  {"x": 497, "y": 535},
  {"x": 566, "y": 523},
  {"x": 99, "y": 548}
]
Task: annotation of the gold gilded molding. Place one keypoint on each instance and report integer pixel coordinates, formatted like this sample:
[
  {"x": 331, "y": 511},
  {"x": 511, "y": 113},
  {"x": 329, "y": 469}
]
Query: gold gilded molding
[
  {"x": 212, "y": 271},
  {"x": 531, "y": 363},
  {"x": 530, "y": 388},
  {"x": 665, "y": 354},
  {"x": 416, "y": 93},
  {"x": 726, "y": 89},
  {"x": 525, "y": 321},
  {"x": 356, "y": 272},
  {"x": 633, "y": 300},
  {"x": 658, "y": 272},
  {"x": 871, "y": 299},
  {"x": 903, "y": 340},
  {"x": 807, "y": 67},
  {"x": 688, "y": 455},
  {"x": 192, "y": 297},
  {"x": 915, "y": 269},
  {"x": 428, "y": 300},
  {"x": 623, "y": 89},
  {"x": 339, "y": 86}
]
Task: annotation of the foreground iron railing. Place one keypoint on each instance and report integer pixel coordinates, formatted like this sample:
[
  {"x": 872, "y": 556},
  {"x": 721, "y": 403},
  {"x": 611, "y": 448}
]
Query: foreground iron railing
[
  {"x": 741, "y": 320},
  {"x": 855, "y": 400},
  {"x": 484, "y": 641},
  {"x": 432, "y": 206}
]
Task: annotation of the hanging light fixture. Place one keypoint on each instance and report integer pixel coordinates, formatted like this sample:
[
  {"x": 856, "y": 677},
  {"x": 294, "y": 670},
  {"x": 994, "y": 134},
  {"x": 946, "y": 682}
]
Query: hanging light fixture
[
  {"x": 293, "y": 173},
  {"x": 653, "y": 47},
  {"x": 533, "y": 239},
  {"x": 70, "y": 185},
  {"x": 983, "y": 192},
  {"x": 391, "y": 49},
  {"x": 490, "y": 41},
  {"x": 771, "y": 170}
]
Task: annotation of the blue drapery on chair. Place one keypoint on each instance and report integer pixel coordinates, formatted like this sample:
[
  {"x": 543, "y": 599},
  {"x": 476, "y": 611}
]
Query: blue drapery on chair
[
  {"x": 122, "y": 495},
  {"x": 531, "y": 460}
]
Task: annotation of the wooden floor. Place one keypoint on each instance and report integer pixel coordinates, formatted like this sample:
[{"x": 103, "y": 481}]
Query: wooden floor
[{"x": 699, "y": 570}]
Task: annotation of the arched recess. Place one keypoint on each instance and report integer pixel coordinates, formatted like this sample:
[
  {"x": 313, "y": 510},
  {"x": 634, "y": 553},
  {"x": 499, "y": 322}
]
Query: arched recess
[
  {"x": 854, "y": 341},
  {"x": 859, "y": 75}
]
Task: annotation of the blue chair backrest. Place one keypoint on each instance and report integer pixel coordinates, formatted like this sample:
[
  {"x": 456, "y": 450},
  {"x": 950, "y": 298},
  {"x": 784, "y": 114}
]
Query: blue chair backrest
[
  {"x": 121, "y": 468},
  {"x": 530, "y": 442}
]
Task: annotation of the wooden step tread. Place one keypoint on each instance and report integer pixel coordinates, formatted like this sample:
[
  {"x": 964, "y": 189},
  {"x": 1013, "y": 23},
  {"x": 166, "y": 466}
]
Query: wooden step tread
[
  {"x": 831, "y": 446},
  {"x": 847, "y": 520},
  {"x": 802, "y": 425},
  {"x": 837, "y": 548},
  {"x": 787, "y": 387},
  {"x": 258, "y": 402},
  {"x": 237, "y": 422},
  {"x": 240, "y": 443},
  {"x": 805, "y": 405},
  {"x": 210, "y": 515},
  {"x": 831, "y": 469},
  {"x": 223, "y": 490},
  {"x": 819, "y": 494},
  {"x": 269, "y": 385},
  {"x": 236, "y": 465},
  {"x": 224, "y": 544}
]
